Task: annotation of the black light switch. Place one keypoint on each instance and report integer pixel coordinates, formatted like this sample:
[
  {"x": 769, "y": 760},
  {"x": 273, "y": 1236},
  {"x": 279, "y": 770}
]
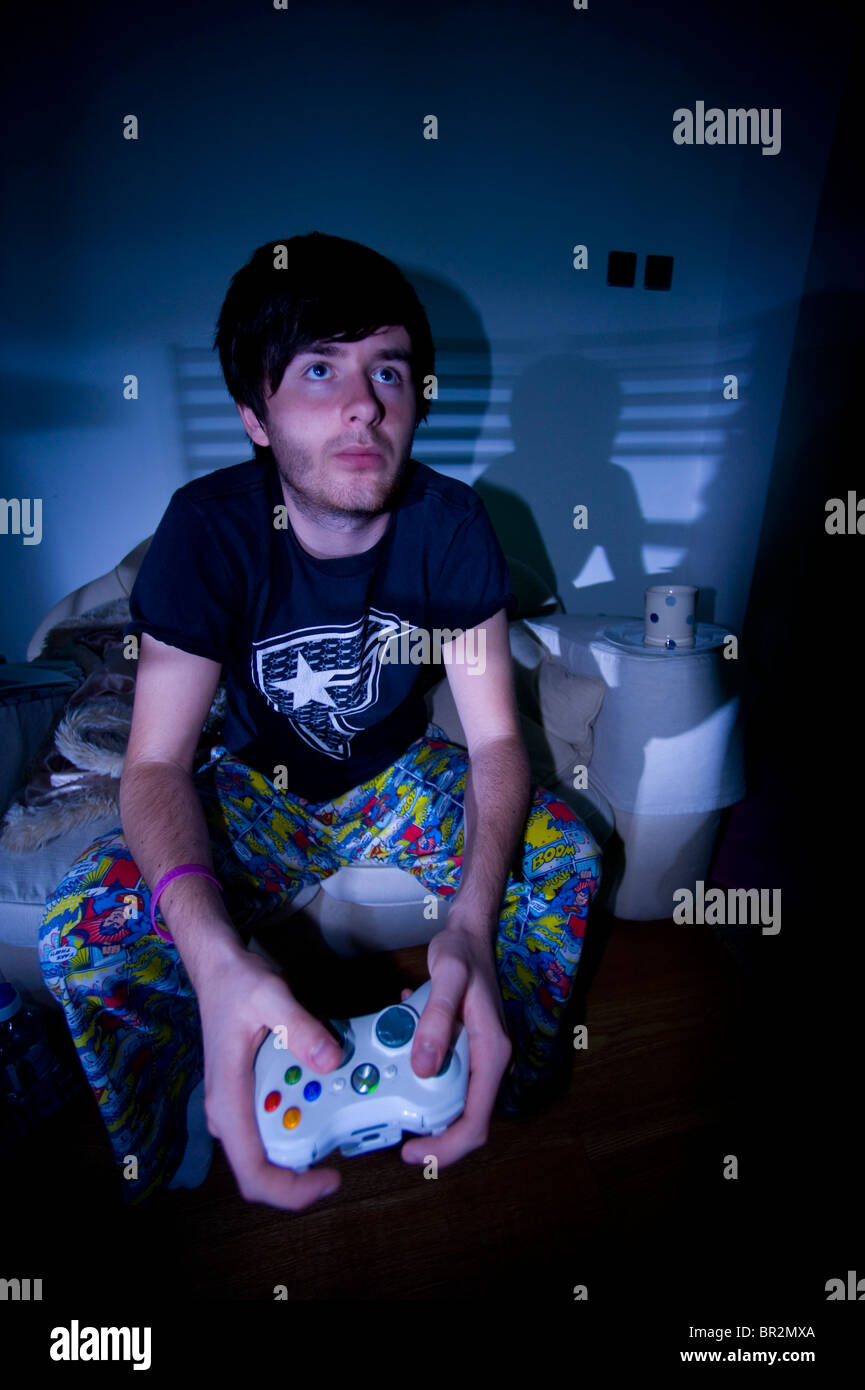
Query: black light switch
[
  {"x": 621, "y": 268},
  {"x": 659, "y": 272}
]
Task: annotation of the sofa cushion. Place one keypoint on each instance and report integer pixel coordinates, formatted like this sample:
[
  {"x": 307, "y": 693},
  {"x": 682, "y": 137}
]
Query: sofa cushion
[
  {"x": 32, "y": 699},
  {"x": 569, "y": 705},
  {"x": 27, "y": 880}
]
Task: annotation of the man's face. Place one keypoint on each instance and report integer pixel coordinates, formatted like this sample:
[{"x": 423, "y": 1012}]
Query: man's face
[{"x": 339, "y": 396}]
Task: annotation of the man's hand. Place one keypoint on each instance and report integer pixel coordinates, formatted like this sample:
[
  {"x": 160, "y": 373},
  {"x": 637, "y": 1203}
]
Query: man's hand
[
  {"x": 240, "y": 1000},
  {"x": 464, "y": 986}
]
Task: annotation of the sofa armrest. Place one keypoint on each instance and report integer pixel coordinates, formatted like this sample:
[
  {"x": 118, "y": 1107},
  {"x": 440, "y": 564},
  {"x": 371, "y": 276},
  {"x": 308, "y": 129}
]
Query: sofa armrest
[{"x": 116, "y": 584}]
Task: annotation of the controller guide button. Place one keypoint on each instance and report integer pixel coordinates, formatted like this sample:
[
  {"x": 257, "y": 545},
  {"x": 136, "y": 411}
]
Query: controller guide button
[
  {"x": 312, "y": 1090},
  {"x": 292, "y": 1076},
  {"x": 291, "y": 1118},
  {"x": 395, "y": 1027},
  {"x": 364, "y": 1078},
  {"x": 272, "y": 1101}
]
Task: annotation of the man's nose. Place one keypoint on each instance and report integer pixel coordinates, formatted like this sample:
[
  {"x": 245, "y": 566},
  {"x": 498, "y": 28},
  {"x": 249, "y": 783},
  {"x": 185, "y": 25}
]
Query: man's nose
[{"x": 362, "y": 402}]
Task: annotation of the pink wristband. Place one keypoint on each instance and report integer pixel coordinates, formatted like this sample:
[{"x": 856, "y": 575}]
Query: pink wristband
[{"x": 163, "y": 883}]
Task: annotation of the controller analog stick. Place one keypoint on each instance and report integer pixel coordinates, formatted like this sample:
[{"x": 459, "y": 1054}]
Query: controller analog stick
[{"x": 395, "y": 1027}]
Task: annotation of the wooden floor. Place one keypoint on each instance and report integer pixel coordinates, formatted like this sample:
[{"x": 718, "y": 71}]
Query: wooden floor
[{"x": 618, "y": 1184}]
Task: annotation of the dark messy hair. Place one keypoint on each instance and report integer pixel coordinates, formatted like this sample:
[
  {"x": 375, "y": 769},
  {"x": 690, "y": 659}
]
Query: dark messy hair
[{"x": 309, "y": 289}]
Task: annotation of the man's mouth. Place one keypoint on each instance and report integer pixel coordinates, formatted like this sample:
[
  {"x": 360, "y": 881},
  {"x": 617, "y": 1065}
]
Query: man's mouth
[{"x": 358, "y": 458}]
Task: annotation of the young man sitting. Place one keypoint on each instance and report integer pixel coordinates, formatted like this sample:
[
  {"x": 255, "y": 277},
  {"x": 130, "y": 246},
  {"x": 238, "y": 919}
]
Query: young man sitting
[{"x": 288, "y": 573}]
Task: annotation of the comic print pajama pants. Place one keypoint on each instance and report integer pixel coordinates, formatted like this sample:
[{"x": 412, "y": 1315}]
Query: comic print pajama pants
[{"x": 128, "y": 1001}]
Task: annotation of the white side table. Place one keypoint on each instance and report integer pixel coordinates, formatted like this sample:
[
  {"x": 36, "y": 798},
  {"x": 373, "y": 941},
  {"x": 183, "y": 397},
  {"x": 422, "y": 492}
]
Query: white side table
[{"x": 668, "y": 750}]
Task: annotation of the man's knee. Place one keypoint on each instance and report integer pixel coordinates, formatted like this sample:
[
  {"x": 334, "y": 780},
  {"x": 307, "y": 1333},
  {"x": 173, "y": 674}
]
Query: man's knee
[
  {"x": 95, "y": 903},
  {"x": 557, "y": 841}
]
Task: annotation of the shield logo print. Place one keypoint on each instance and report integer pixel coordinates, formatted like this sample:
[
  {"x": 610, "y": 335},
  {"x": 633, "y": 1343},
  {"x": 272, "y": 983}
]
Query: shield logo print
[{"x": 319, "y": 676}]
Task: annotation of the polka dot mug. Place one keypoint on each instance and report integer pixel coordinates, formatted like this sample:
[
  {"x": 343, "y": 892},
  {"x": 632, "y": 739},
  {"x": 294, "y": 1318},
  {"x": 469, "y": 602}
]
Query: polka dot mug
[{"x": 670, "y": 620}]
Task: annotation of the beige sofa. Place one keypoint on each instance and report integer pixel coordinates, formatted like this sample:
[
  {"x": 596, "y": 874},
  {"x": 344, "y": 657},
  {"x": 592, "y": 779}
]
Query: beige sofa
[{"x": 360, "y": 908}]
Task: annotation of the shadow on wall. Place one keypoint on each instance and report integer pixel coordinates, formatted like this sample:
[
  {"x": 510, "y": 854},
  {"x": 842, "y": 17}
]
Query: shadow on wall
[
  {"x": 562, "y": 418},
  {"x": 568, "y": 426},
  {"x": 564, "y": 413},
  {"x": 669, "y": 470}
]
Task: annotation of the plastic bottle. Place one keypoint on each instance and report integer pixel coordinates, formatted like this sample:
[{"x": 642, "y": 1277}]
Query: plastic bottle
[{"x": 34, "y": 1083}]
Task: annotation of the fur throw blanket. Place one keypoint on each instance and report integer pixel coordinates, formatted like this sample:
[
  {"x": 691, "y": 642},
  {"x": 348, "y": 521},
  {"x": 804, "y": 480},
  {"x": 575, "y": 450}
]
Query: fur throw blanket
[{"x": 76, "y": 777}]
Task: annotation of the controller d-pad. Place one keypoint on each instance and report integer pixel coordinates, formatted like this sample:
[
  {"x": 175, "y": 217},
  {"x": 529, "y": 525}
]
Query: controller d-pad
[
  {"x": 395, "y": 1027},
  {"x": 339, "y": 1031}
]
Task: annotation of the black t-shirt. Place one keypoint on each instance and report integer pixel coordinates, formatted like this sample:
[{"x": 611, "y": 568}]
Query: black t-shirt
[{"x": 297, "y": 636}]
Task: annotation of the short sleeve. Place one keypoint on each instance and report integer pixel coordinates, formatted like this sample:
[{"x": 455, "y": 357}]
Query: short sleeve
[
  {"x": 474, "y": 582},
  {"x": 183, "y": 593}
]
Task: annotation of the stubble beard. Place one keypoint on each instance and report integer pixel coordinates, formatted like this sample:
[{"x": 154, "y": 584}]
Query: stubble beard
[{"x": 339, "y": 504}]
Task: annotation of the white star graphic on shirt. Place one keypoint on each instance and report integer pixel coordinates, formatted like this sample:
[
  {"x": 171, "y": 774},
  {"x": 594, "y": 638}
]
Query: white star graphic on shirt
[{"x": 307, "y": 685}]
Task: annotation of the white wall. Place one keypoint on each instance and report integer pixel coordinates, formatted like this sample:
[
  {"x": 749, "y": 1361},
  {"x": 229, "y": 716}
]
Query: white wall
[{"x": 555, "y": 128}]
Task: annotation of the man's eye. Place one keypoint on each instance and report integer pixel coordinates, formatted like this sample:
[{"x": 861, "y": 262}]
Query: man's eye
[{"x": 395, "y": 378}]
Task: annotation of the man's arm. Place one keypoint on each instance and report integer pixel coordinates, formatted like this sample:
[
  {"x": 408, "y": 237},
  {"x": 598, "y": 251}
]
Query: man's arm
[
  {"x": 498, "y": 784},
  {"x": 162, "y": 818},
  {"x": 461, "y": 957},
  {"x": 240, "y": 996}
]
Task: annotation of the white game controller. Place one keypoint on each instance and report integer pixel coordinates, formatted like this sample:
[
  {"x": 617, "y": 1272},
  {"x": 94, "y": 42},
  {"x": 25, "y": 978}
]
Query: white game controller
[{"x": 368, "y": 1100}]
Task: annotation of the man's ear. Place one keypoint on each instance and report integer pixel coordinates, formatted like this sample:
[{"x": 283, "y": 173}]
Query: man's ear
[{"x": 252, "y": 424}]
